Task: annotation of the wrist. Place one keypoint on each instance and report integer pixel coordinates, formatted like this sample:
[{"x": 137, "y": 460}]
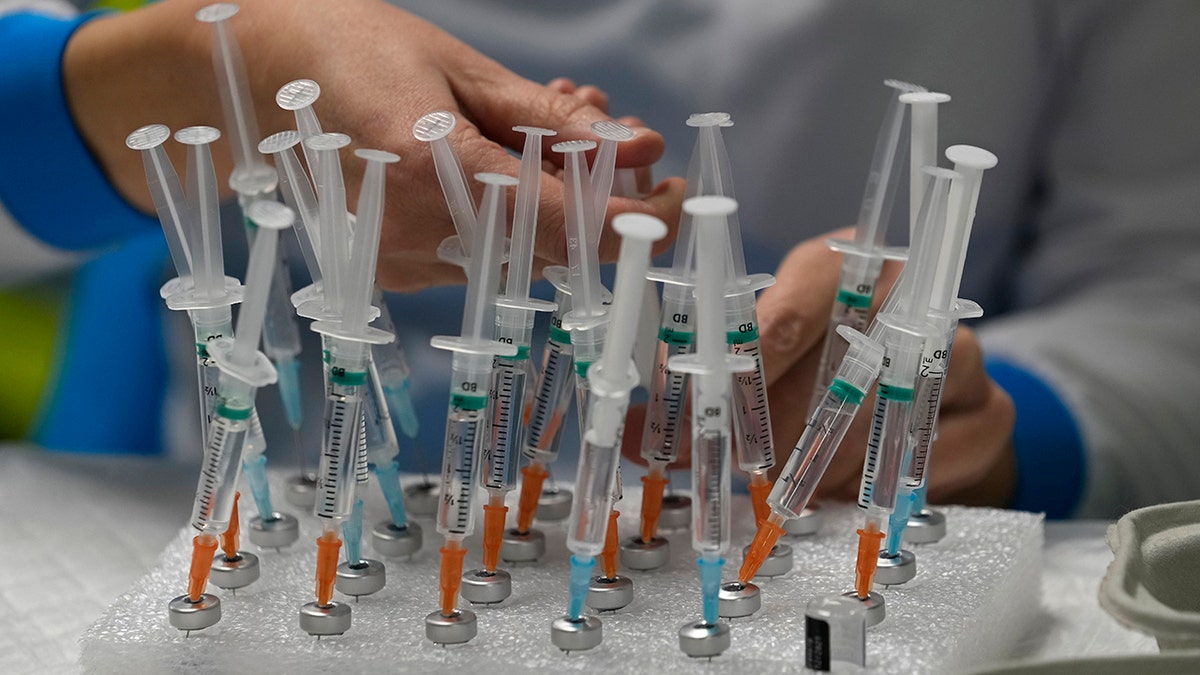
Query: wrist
[{"x": 122, "y": 71}]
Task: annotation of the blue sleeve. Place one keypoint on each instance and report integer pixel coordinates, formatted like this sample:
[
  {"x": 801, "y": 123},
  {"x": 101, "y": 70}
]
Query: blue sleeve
[
  {"x": 49, "y": 180},
  {"x": 1051, "y": 464}
]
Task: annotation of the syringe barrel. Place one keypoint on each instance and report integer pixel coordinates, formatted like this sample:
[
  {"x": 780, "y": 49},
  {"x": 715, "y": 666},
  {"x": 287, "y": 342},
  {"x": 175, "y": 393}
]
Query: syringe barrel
[
  {"x": 926, "y": 403},
  {"x": 208, "y": 325},
  {"x": 466, "y": 418},
  {"x": 668, "y": 388},
  {"x": 822, "y": 436},
  {"x": 752, "y": 416},
  {"x": 888, "y": 439},
  {"x": 223, "y": 447},
  {"x": 596, "y": 477},
  {"x": 588, "y": 343},
  {"x": 710, "y": 472},
  {"x": 506, "y": 431},
  {"x": 217, "y": 487},
  {"x": 553, "y": 393},
  {"x": 281, "y": 333},
  {"x": 337, "y": 473},
  {"x": 346, "y": 387},
  {"x": 851, "y": 307},
  {"x": 380, "y": 436},
  {"x": 507, "y": 408}
]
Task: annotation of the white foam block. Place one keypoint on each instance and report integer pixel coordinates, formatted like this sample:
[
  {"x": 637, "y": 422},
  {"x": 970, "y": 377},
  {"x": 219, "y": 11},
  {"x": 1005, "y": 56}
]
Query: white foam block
[{"x": 973, "y": 593}]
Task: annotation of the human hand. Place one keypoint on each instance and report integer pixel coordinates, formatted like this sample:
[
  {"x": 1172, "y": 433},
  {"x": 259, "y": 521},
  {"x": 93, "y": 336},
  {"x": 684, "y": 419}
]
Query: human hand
[
  {"x": 380, "y": 69},
  {"x": 973, "y": 461}
]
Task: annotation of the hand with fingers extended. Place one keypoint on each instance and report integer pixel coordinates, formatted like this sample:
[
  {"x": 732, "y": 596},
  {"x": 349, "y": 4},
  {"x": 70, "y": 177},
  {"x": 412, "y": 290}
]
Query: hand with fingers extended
[
  {"x": 379, "y": 69},
  {"x": 974, "y": 458}
]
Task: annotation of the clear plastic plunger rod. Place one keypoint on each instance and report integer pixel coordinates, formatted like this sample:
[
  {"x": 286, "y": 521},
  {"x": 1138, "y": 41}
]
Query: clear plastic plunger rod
[{"x": 863, "y": 257}]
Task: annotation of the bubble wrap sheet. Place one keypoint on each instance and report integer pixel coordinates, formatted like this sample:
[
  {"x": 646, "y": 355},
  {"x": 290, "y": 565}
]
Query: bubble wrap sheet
[{"x": 973, "y": 593}]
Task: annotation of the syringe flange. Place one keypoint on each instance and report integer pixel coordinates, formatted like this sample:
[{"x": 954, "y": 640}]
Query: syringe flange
[
  {"x": 867, "y": 251},
  {"x": 609, "y": 595},
  {"x": 519, "y": 547},
  {"x": 186, "y": 615},
  {"x": 480, "y": 587},
  {"x": 396, "y": 542},
  {"x": 451, "y": 251},
  {"x": 340, "y": 331},
  {"x": 557, "y": 275},
  {"x": 468, "y": 346},
  {"x": 572, "y": 635},
  {"x": 237, "y": 572},
  {"x": 528, "y": 304},
  {"x": 176, "y": 285},
  {"x": 281, "y": 530},
  {"x": 364, "y": 577},
  {"x": 186, "y": 298},
  {"x": 258, "y": 374},
  {"x": 312, "y": 306},
  {"x": 750, "y": 283},
  {"x": 645, "y": 555}
]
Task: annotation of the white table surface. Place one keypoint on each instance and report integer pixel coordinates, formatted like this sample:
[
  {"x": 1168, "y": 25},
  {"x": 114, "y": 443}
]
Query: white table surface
[{"x": 77, "y": 530}]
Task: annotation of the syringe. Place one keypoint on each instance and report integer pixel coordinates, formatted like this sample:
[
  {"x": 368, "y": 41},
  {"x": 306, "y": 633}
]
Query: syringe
[
  {"x": 753, "y": 442},
  {"x": 562, "y": 354},
  {"x": 347, "y": 335},
  {"x": 944, "y": 313},
  {"x": 903, "y": 329},
  {"x": 668, "y": 389},
  {"x": 466, "y": 418},
  {"x": 827, "y": 426},
  {"x": 862, "y": 258},
  {"x": 243, "y": 370},
  {"x": 710, "y": 368},
  {"x": 515, "y": 312},
  {"x": 388, "y": 368},
  {"x": 253, "y": 179},
  {"x": 610, "y": 378}
]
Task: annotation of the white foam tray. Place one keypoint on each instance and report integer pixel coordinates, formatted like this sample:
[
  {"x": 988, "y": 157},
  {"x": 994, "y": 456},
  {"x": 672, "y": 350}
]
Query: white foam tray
[{"x": 973, "y": 593}]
